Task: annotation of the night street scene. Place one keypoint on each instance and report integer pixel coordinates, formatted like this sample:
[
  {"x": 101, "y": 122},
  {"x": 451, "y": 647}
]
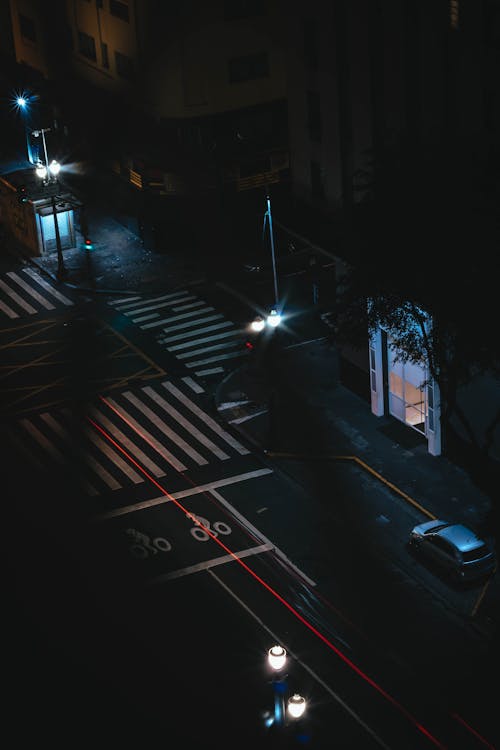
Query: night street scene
[{"x": 250, "y": 373}]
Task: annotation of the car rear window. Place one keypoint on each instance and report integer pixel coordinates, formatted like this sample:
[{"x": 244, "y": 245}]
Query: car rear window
[{"x": 475, "y": 554}]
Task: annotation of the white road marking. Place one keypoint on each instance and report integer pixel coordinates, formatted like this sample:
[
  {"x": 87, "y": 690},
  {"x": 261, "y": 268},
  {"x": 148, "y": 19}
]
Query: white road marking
[
  {"x": 126, "y": 509},
  {"x": 192, "y": 323},
  {"x": 113, "y": 456},
  {"x": 229, "y": 439},
  {"x": 173, "y": 318},
  {"x": 134, "y": 450},
  {"x": 15, "y": 296},
  {"x": 160, "y": 425},
  {"x": 122, "y": 299},
  {"x": 145, "y": 317},
  {"x": 193, "y": 384},
  {"x": 204, "y": 339},
  {"x": 148, "y": 437},
  {"x": 155, "y": 307},
  {"x": 240, "y": 420},
  {"x": 50, "y": 289},
  {"x": 59, "y": 430},
  {"x": 239, "y": 353},
  {"x": 200, "y": 303},
  {"x": 208, "y": 564},
  {"x": 203, "y": 439},
  {"x": 6, "y": 309},
  {"x": 277, "y": 639},
  {"x": 212, "y": 348},
  {"x": 231, "y": 404},
  {"x": 45, "y": 303},
  {"x": 211, "y": 371},
  {"x": 142, "y": 300},
  {"x": 194, "y": 332}
]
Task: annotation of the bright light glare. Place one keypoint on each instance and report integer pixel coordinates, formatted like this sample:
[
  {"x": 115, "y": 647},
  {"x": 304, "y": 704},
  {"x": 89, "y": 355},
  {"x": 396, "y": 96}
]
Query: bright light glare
[
  {"x": 273, "y": 319},
  {"x": 54, "y": 167},
  {"x": 21, "y": 101},
  {"x": 296, "y": 706},
  {"x": 258, "y": 324},
  {"x": 276, "y": 657},
  {"x": 41, "y": 170}
]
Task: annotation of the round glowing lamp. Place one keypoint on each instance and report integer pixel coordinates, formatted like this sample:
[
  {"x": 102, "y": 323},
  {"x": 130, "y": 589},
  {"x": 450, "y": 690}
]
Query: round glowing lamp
[
  {"x": 41, "y": 170},
  {"x": 54, "y": 168},
  {"x": 296, "y": 706},
  {"x": 258, "y": 324},
  {"x": 276, "y": 656},
  {"x": 273, "y": 319}
]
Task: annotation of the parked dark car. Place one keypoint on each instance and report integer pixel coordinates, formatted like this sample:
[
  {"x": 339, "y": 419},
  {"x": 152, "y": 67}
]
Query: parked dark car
[{"x": 455, "y": 549}]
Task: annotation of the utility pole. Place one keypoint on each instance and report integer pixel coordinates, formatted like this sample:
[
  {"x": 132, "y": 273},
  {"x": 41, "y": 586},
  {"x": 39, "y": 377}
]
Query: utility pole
[{"x": 268, "y": 216}]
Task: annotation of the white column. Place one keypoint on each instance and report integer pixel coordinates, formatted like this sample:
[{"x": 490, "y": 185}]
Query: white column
[
  {"x": 376, "y": 374},
  {"x": 433, "y": 419}
]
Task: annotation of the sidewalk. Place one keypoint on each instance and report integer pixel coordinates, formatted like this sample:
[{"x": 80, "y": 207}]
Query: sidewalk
[{"x": 340, "y": 423}]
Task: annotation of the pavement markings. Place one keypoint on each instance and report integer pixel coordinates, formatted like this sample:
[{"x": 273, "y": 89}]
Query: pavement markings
[
  {"x": 209, "y": 564},
  {"x": 29, "y": 295}
]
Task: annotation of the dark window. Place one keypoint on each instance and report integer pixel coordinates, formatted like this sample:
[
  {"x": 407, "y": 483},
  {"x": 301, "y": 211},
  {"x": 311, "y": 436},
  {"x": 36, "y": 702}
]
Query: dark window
[
  {"x": 104, "y": 55},
  {"x": 248, "y": 68},
  {"x": 314, "y": 115},
  {"x": 310, "y": 43},
  {"x": 27, "y": 28},
  {"x": 86, "y": 45},
  {"x": 236, "y": 9},
  {"x": 317, "y": 185},
  {"x": 120, "y": 10},
  {"x": 124, "y": 65},
  {"x": 98, "y": 3}
]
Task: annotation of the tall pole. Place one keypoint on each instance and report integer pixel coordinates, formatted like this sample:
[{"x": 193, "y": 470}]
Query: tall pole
[
  {"x": 45, "y": 152},
  {"x": 61, "y": 270},
  {"x": 269, "y": 217}
]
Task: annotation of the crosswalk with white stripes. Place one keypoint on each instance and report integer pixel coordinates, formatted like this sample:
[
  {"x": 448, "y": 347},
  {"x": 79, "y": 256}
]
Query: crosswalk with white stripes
[
  {"x": 163, "y": 428},
  {"x": 189, "y": 328},
  {"x": 25, "y": 292}
]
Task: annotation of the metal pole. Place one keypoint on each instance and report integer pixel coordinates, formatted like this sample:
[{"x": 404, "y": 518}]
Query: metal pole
[
  {"x": 276, "y": 299},
  {"x": 42, "y": 131},
  {"x": 61, "y": 270}
]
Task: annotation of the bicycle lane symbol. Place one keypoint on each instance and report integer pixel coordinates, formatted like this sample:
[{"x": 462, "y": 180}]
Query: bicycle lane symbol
[
  {"x": 218, "y": 527},
  {"x": 141, "y": 546}
]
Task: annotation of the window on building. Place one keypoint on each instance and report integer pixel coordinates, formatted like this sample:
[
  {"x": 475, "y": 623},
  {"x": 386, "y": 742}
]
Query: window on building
[
  {"x": 236, "y": 9},
  {"x": 27, "y": 28},
  {"x": 454, "y": 13},
  {"x": 104, "y": 55},
  {"x": 99, "y": 3},
  {"x": 118, "y": 9},
  {"x": 124, "y": 65},
  {"x": 317, "y": 183},
  {"x": 248, "y": 68},
  {"x": 314, "y": 115},
  {"x": 86, "y": 45},
  {"x": 310, "y": 42}
]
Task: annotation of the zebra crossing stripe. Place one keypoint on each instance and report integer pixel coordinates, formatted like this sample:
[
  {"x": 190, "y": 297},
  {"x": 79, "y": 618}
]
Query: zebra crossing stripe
[
  {"x": 145, "y": 317},
  {"x": 122, "y": 299},
  {"x": 50, "y": 289},
  {"x": 203, "y": 439},
  {"x": 113, "y": 456},
  {"x": 45, "y": 303},
  {"x": 173, "y": 318},
  {"x": 112, "y": 483},
  {"x": 193, "y": 323},
  {"x": 147, "y": 436},
  {"x": 155, "y": 307},
  {"x": 188, "y": 307},
  {"x": 229, "y": 439},
  {"x": 193, "y": 384},
  {"x": 210, "y": 371},
  {"x": 134, "y": 301},
  {"x": 42, "y": 440},
  {"x": 197, "y": 457},
  {"x": 195, "y": 332},
  {"x": 6, "y": 309},
  {"x": 187, "y": 344},
  {"x": 120, "y": 436},
  {"x": 19, "y": 300},
  {"x": 213, "y": 348},
  {"x": 240, "y": 353},
  {"x": 59, "y": 430}
]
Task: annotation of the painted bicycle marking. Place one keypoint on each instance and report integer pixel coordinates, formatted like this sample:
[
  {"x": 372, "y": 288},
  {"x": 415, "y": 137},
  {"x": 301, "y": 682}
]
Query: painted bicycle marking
[
  {"x": 218, "y": 527},
  {"x": 143, "y": 546}
]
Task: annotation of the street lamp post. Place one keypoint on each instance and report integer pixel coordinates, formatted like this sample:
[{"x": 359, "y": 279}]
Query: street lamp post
[
  {"x": 296, "y": 704},
  {"x": 48, "y": 174},
  {"x": 268, "y": 216}
]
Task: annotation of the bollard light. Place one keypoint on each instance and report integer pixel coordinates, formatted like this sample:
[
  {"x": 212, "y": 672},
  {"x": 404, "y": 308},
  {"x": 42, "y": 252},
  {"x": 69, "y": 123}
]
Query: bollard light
[
  {"x": 276, "y": 656},
  {"x": 273, "y": 319},
  {"x": 258, "y": 324},
  {"x": 296, "y": 706}
]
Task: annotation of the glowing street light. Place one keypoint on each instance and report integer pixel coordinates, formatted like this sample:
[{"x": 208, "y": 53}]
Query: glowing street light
[
  {"x": 296, "y": 706},
  {"x": 41, "y": 170},
  {"x": 276, "y": 657},
  {"x": 21, "y": 102},
  {"x": 258, "y": 324},
  {"x": 54, "y": 168},
  {"x": 273, "y": 319}
]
